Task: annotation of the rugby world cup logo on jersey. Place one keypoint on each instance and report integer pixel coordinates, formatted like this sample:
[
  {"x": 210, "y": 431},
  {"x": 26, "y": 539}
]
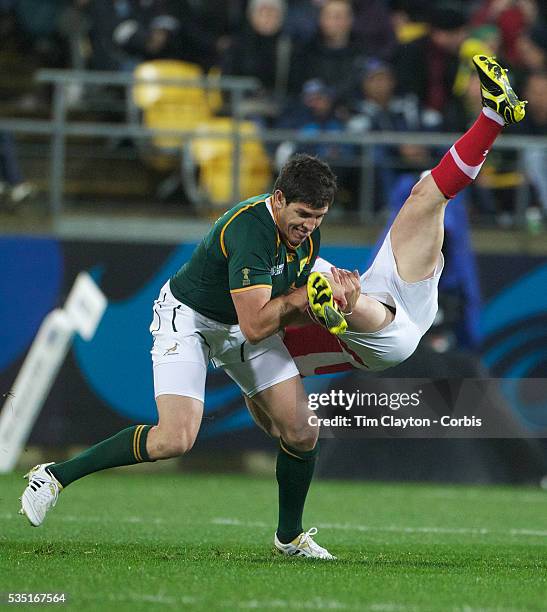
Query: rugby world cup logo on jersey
[
  {"x": 246, "y": 280},
  {"x": 276, "y": 270}
]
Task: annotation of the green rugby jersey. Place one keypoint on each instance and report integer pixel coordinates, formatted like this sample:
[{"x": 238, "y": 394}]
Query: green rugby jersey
[{"x": 243, "y": 250}]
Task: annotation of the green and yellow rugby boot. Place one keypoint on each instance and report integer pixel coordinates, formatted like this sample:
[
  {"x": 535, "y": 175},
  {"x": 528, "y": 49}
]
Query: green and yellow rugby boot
[
  {"x": 496, "y": 91},
  {"x": 322, "y": 304}
]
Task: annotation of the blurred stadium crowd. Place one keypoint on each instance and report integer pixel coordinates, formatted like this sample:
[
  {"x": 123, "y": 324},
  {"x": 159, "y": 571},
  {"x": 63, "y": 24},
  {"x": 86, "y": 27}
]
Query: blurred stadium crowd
[{"x": 323, "y": 65}]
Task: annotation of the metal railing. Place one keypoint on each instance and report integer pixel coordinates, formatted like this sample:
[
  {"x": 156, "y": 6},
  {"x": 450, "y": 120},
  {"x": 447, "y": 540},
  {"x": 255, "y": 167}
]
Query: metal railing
[{"x": 59, "y": 128}]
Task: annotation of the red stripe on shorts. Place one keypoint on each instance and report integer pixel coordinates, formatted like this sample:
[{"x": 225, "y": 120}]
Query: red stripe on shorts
[{"x": 310, "y": 339}]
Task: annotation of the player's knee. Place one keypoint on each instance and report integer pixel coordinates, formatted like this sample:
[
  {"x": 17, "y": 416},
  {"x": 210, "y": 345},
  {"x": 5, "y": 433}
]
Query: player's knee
[
  {"x": 173, "y": 447},
  {"x": 167, "y": 444},
  {"x": 274, "y": 431},
  {"x": 271, "y": 430},
  {"x": 425, "y": 190},
  {"x": 420, "y": 189},
  {"x": 303, "y": 438}
]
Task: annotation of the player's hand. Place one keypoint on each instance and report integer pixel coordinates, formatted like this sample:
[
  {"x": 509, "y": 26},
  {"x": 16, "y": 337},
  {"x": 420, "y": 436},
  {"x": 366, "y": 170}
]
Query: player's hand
[
  {"x": 338, "y": 291},
  {"x": 350, "y": 284},
  {"x": 322, "y": 304}
]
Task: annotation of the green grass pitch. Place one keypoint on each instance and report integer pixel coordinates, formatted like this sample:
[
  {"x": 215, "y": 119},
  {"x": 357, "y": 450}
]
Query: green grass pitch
[{"x": 170, "y": 542}]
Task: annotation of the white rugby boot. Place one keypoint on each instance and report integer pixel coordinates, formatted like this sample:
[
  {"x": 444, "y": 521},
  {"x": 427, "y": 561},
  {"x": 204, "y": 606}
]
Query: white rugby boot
[
  {"x": 303, "y": 546},
  {"x": 40, "y": 495}
]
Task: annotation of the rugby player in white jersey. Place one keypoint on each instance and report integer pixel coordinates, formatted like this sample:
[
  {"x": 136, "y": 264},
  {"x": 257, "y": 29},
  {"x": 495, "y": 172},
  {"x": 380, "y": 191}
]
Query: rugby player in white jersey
[{"x": 392, "y": 305}]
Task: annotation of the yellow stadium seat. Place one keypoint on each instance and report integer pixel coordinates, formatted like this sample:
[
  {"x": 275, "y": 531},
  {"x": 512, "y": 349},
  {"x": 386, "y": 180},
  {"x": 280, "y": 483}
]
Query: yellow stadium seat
[
  {"x": 188, "y": 107},
  {"x": 214, "y": 157},
  {"x": 170, "y": 107},
  {"x": 147, "y": 91}
]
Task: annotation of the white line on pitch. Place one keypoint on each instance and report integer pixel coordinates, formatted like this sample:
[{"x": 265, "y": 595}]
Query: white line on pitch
[
  {"x": 68, "y": 518},
  {"x": 313, "y": 603},
  {"x": 531, "y": 497},
  {"x": 72, "y": 518},
  {"x": 395, "y": 528}
]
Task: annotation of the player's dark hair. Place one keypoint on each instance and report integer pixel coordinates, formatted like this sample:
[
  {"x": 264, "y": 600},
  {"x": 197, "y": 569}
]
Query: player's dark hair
[{"x": 307, "y": 179}]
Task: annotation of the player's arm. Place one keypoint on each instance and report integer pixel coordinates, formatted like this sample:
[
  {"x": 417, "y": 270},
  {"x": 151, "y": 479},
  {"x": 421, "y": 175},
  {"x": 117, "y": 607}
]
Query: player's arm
[
  {"x": 260, "y": 317},
  {"x": 251, "y": 250}
]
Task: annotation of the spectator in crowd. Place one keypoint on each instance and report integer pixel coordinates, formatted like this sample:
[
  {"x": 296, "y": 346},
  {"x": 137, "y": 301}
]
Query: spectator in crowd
[
  {"x": 263, "y": 51},
  {"x": 312, "y": 115},
  {"x": 202, "y": 30},
  {"x": 408, "y": 19},
  {"x": 379, "y": 109},
  {"x": 38, "y": 23},
  {"x": 126, "y": 32},
  {"x": 512, "y": 18},
  {"x": 302, "y": 20},
  {"x": 532, "y": 48},
  {"x": 221, "y": 18},
  {"x": 535, "y": 159},
  {"x": 332, "y": 54},
  {"x": 14, "y": 190},
  {"x": 372, "y": 25},
  {"x": 428, "y": 65}
]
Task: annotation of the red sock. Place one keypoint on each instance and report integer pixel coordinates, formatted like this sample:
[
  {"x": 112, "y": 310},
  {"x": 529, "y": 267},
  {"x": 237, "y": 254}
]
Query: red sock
[{"x": 460, "y": 166}]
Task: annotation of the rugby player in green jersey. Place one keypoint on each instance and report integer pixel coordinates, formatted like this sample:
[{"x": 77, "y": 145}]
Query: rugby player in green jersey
[{"x": 243, "y": 284}]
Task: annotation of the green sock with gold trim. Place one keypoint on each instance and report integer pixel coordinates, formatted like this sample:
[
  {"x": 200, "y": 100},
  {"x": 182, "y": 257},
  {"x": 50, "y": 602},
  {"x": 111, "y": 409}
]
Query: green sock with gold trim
[
  {"x": 127, "y": 447},
  {"x": 294, "y": 471}
]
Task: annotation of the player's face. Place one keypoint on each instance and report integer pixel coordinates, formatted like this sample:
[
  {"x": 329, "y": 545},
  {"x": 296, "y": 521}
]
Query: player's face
[{"x": 295, "y": 220}]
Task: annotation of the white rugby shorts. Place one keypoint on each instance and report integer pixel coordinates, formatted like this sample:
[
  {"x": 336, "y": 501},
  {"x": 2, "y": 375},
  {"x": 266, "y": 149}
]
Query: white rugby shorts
[
  {"x": 415, "y": 309},
  {"x": 184, "y": 341}
]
